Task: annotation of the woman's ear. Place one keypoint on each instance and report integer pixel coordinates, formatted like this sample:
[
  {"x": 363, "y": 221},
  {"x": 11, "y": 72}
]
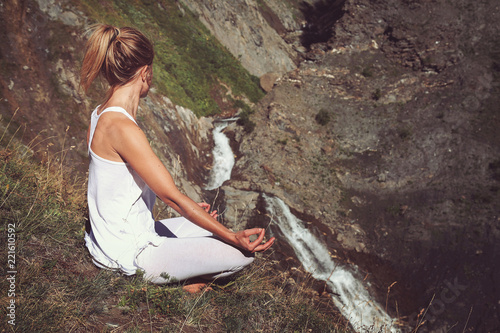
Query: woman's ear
[{"x": 144, "y": 73}]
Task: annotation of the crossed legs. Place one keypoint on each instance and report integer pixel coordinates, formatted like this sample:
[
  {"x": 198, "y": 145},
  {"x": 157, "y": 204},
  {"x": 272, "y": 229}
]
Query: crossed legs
[{"x": 189, "y": 251}]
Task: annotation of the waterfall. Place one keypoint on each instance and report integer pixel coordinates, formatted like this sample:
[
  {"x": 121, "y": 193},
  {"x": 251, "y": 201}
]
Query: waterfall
[
  {"x": 223, "y": 158},
  {"x": 352, "y": 298}
]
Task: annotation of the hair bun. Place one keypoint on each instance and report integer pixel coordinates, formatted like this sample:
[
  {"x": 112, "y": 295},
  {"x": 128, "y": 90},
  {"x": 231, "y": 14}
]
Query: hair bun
[
  {"x": 115, "y": 53},
  {"x": 115, "y": 35}
]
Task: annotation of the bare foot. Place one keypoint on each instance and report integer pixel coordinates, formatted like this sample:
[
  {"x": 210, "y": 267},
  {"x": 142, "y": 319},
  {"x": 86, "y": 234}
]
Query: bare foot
[{"x": 195, "y": 287}]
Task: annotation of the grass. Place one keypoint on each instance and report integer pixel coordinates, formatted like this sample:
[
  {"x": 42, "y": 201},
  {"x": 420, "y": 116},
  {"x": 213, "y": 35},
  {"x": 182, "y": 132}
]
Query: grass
[{"x": 56, "y": 288}]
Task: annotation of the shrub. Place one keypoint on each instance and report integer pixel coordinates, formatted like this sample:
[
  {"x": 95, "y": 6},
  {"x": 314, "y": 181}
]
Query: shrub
[
  {"x": 322, "y": 117},
  {"x": 246, "y": 122}
]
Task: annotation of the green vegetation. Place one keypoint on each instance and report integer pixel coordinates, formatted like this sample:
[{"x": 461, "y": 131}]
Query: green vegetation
[
  {"x": 191, "y": 67},
  {"x": 322, "y": 117},
  {"x": 244, "y": 120},
  {"x": 282, "y": 141},
  {"x": 58, "y": 289},
  {"x": 367, "y": 72},
  {"x": 377, "y": 94}
]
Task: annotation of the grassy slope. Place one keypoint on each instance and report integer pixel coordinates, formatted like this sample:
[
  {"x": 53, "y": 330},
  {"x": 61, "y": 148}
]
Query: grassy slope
[
  {"x": 58, "y": 289},
  {"x": 191, "y": 67}
]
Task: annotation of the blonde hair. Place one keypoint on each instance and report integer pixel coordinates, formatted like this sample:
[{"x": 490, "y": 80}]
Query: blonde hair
[{"x": 115, "y": 53}]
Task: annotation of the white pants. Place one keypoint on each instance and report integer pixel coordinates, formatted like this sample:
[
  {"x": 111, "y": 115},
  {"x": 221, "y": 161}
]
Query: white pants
[{"x": 189, "y": 251}]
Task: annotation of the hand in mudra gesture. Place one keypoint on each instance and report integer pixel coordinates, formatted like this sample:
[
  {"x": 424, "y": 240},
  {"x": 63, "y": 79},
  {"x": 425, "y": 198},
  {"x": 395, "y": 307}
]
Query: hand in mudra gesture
[{"x": 243, "y": 237}]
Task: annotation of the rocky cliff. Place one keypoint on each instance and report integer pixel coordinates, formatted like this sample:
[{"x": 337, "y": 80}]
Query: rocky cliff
[
  {"x": 388, "y": 134},
  {"x": 252, "y": 31}
]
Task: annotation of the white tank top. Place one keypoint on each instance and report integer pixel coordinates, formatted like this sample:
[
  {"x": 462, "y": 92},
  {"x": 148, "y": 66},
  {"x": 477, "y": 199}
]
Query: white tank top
[{"x": 120, "y": 209}]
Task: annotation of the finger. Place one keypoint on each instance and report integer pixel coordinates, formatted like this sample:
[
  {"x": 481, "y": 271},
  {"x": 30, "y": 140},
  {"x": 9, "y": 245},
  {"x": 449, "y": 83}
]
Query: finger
[
  {"x": 205, "y": 206},
  {"x": 265, "y": 246},
  {"x": 253, "y": 231},
  {"x": 259, "y": 239}
]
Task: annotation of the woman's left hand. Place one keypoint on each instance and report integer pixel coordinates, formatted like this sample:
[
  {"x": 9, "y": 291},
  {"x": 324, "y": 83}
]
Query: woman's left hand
[
  {"x": 242, "y": 238},
  {"x": 258, "y": 245}
]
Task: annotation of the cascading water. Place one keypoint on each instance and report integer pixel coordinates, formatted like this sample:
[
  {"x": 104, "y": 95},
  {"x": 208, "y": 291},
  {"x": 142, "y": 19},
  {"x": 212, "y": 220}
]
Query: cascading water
[
  {"x": 223, "y": 158},
  {"x": 352, "y": 299}
]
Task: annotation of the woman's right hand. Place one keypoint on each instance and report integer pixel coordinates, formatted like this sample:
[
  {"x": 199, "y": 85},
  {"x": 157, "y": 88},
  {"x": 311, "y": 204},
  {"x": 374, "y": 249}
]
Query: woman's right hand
[
  {"x": 206, "y": 207},
  {"x": 243, "y": 240}
]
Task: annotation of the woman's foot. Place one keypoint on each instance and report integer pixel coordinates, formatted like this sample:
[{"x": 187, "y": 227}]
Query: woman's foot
[{"x": 195, "y": 288}]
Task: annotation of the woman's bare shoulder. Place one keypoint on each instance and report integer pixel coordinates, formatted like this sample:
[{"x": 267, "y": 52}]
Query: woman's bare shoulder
[
  {"x": 115, "y": 121},
  {"x": 113, "y": 131}
]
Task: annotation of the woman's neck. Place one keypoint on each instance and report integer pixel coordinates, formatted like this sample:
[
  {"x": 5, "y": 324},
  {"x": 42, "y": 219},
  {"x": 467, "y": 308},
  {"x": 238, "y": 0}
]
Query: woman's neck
[{"x": 126, "y": 97}]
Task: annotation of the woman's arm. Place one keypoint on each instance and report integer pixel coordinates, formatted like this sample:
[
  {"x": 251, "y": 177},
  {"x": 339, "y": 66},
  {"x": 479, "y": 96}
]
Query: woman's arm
[{"x": 132, "y": 145}]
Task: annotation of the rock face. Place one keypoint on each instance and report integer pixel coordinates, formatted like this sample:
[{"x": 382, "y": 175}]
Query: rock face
[
  {"x": 251, "y": 32},
  {"x": 388, "y": 134}
]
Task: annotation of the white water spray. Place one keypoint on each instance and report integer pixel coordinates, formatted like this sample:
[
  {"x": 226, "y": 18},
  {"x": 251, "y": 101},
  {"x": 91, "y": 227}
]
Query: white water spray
[
  {"x": 352, "y": 299},
  {"x": 223, "y": 158}
]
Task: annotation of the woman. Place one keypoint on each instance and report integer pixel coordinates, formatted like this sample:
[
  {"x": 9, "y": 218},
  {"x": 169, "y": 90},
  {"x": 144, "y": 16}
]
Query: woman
[{"x": 125, "y": 176}]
